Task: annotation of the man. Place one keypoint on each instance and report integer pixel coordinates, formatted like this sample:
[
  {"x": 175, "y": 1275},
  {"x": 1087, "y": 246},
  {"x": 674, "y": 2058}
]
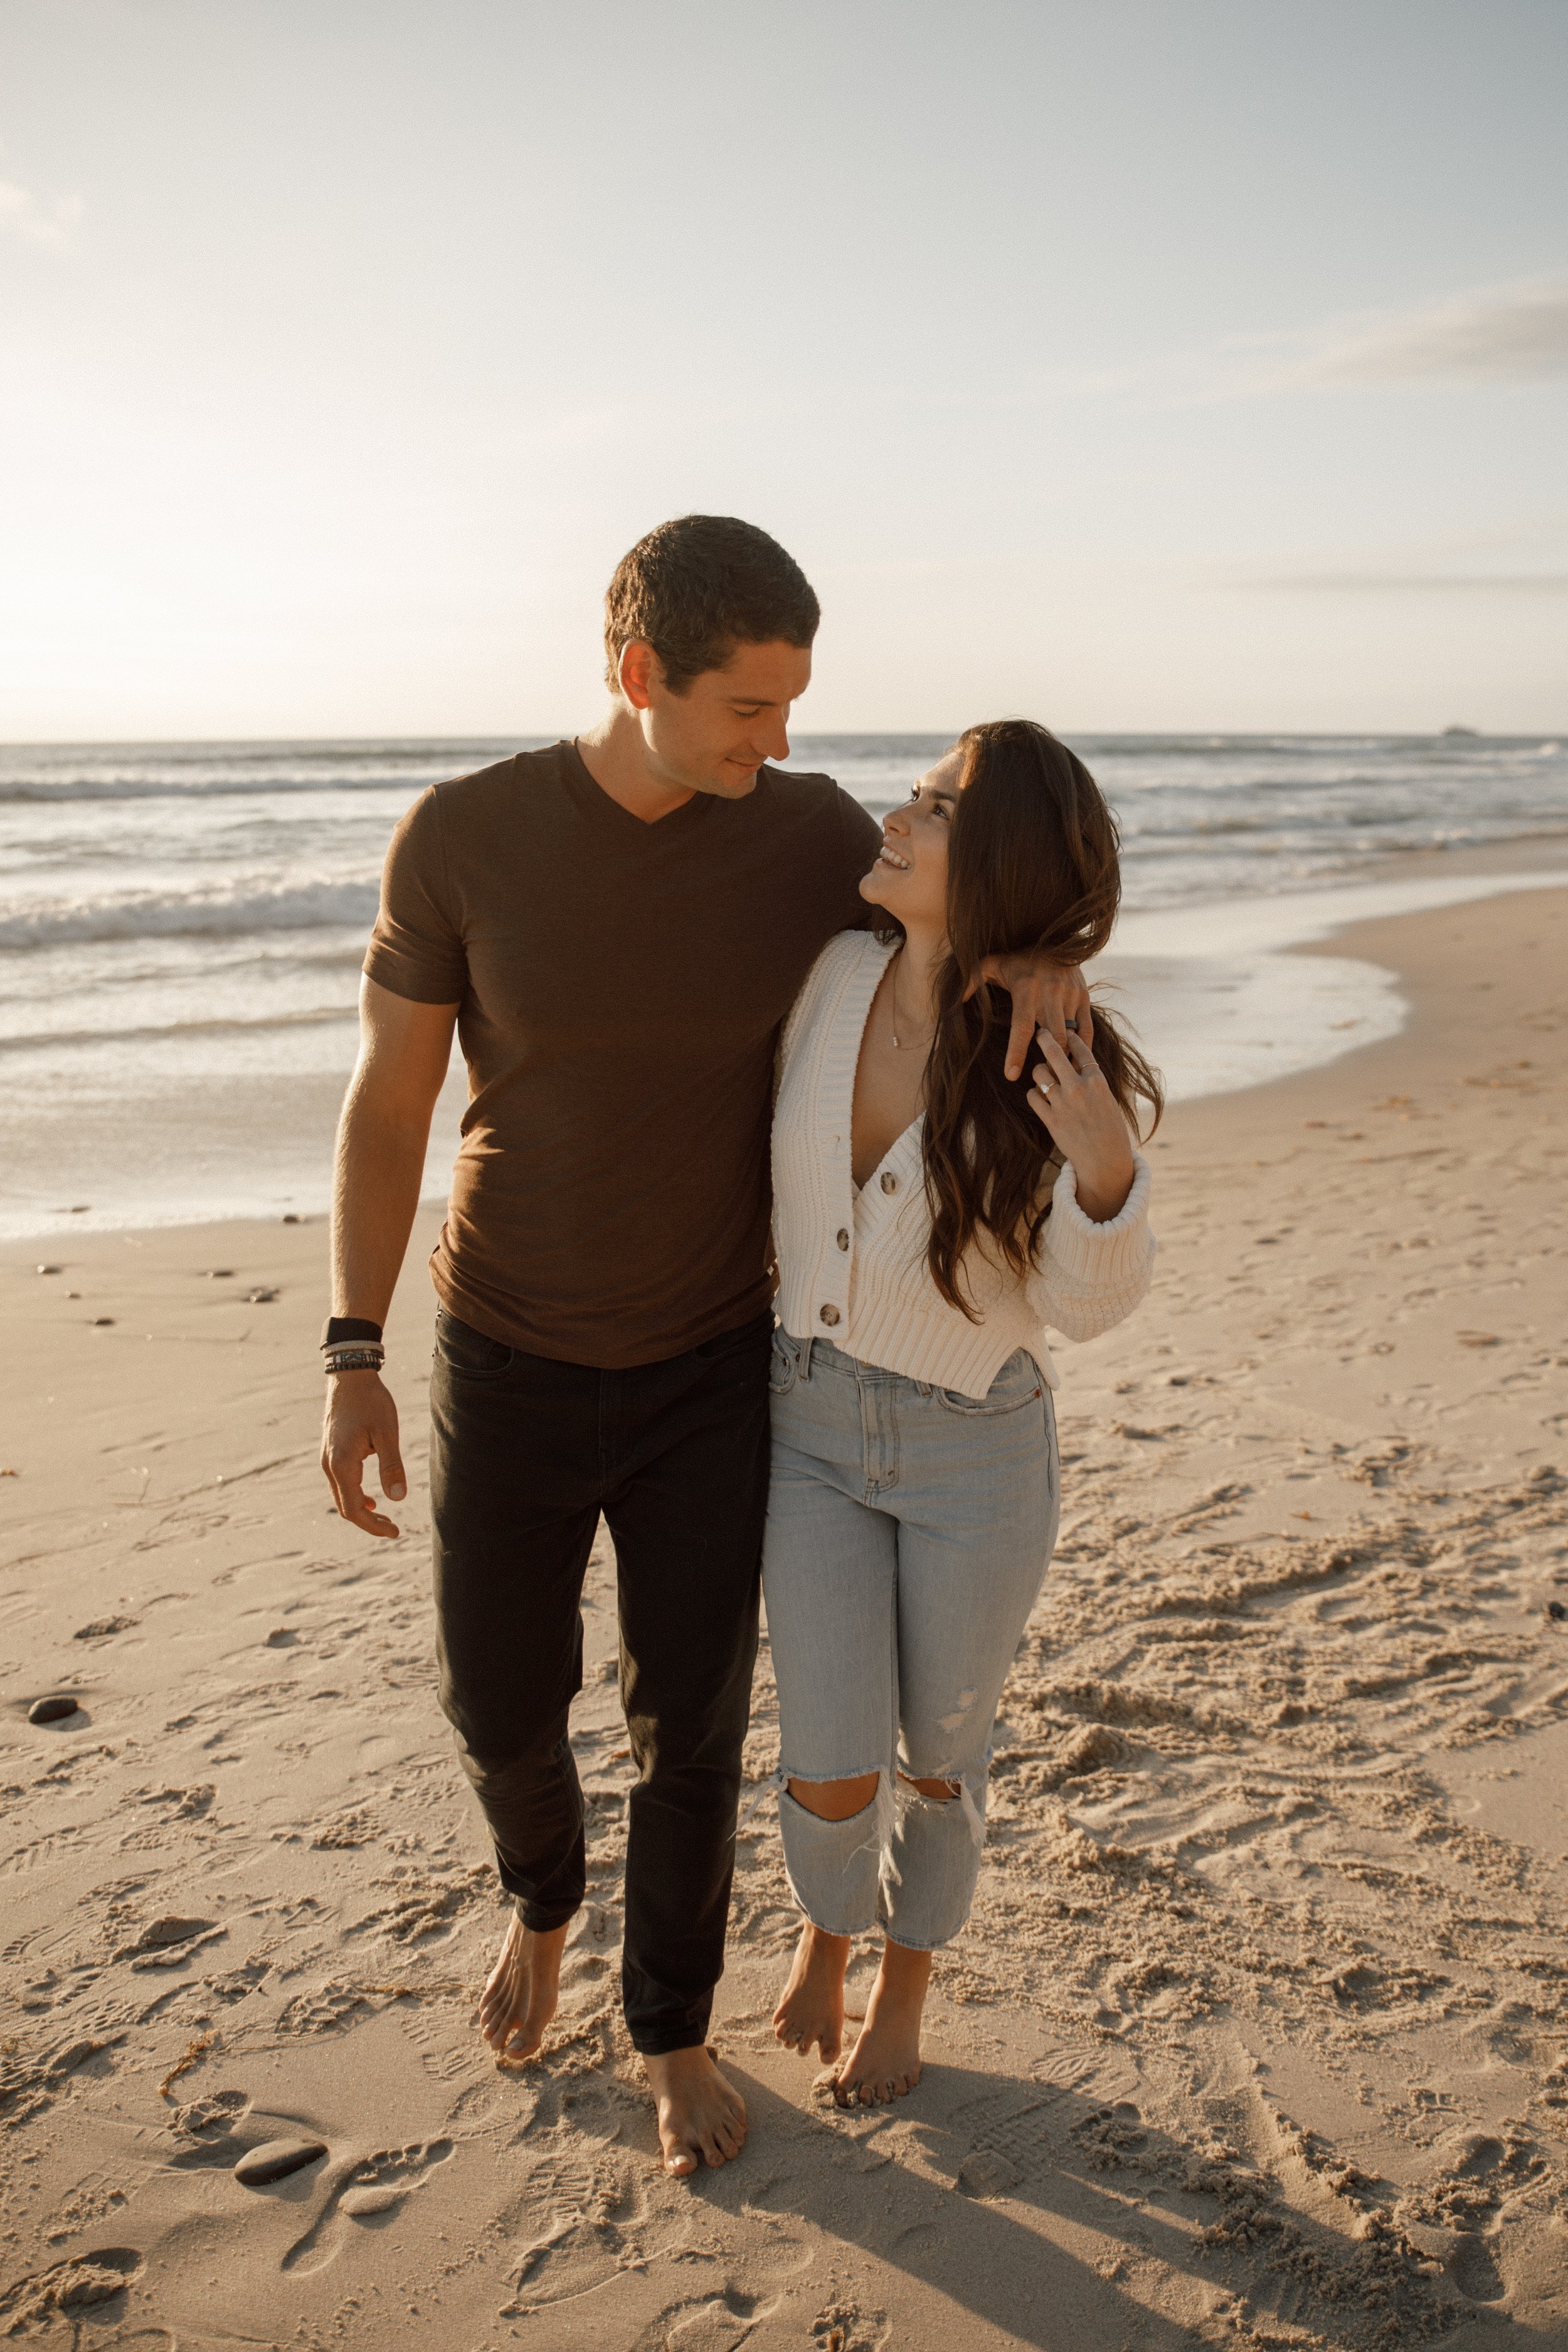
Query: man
[{"x": 617, "y": 926}]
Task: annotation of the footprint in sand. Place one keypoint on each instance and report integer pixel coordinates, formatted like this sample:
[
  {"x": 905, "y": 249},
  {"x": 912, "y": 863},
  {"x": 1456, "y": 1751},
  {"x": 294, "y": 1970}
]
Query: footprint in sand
[
  {"x": 210, "y": 2132},
  {"x": 712, "y": 2323},
  {"x": 594, "y": 2230},
  {"x": 361, "y": 2192},
  {"x": 845, "y": 2327},
  {"x": 69, "y": 2288}
]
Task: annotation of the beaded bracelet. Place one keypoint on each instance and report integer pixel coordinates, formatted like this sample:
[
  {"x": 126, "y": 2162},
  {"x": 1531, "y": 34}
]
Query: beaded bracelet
[{"x": 355, "y": 1360}]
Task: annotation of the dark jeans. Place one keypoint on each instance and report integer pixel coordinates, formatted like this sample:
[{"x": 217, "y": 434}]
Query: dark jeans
[{"x": 525, "y": 1452}]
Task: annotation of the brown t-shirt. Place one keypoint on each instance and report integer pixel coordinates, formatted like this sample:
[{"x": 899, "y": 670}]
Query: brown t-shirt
[{"x": 620, "y": 987}]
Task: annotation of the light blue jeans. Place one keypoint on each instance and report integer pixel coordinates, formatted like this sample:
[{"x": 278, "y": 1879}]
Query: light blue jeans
[{"x": 907, "y": 1535}]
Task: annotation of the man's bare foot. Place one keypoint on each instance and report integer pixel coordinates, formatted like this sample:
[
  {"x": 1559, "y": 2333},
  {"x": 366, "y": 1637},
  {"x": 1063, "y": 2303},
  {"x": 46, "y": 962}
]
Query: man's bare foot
[
  {"x": 811, "y": 2010},
  {"x": 701, "y": 2117},
  {"x": 886, "y": 2059},
  {"x": 519, "y": 2002}
]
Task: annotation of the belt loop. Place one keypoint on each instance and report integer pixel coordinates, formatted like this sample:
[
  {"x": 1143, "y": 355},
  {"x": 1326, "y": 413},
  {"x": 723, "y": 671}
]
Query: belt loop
[{"x": 805, "y": 1346}]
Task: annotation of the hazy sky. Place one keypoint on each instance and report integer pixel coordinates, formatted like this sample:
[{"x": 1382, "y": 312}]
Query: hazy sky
[{"x": 1134, "y": 364}]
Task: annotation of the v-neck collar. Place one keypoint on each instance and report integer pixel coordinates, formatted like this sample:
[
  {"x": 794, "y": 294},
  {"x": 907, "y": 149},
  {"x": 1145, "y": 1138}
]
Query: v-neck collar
[
  {"x": 681, "y": 818},
  {"x": 867, "y": 978}
]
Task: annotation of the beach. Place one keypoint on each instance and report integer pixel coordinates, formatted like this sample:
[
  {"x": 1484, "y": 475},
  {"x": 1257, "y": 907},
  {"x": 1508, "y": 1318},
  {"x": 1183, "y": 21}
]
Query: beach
[{"x": 1256, "y": 2037}]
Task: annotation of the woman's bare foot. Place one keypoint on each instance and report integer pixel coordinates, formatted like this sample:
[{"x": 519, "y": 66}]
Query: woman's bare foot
[
  {"x": 810, "y": 2009},
  {"x": 886, "y": 2059},
  {"x": 701, "y": 2117},
  {"x": 519, "y": 2002}
]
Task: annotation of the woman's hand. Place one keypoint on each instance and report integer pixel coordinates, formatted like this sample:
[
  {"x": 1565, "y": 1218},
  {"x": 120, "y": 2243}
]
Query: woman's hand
[{"x": 1069, "y": 1095}]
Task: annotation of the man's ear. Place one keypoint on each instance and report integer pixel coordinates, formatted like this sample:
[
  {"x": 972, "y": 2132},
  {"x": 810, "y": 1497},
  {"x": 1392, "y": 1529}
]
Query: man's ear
[{"x": 640, "y": 672}]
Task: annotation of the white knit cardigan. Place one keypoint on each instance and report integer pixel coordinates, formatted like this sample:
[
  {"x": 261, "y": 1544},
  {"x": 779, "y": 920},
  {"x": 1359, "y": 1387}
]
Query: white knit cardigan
[{"x": 852, "y": 1266}]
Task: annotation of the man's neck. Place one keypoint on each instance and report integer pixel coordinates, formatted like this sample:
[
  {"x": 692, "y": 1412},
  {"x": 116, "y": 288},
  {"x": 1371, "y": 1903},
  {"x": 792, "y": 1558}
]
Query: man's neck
[{"x": 616, "y": 757}]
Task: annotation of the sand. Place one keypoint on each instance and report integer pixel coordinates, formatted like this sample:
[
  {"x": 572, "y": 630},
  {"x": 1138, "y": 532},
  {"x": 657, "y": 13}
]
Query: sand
[{"x": 1257, "y": 2037}]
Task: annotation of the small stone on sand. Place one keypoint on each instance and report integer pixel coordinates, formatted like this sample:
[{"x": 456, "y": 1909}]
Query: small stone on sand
[
  {"x": 101, "y": 1322},
  {"x": 276, "y": 2159},
  {"x": 53, "y": 1709},
  {"x": 51, "y": 1269},
  {"x": 261, "y": 1297}
]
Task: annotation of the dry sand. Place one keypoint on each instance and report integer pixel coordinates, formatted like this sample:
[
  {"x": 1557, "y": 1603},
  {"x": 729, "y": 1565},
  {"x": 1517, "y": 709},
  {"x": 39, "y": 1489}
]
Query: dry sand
[{"x": 1258, "y": 2035}]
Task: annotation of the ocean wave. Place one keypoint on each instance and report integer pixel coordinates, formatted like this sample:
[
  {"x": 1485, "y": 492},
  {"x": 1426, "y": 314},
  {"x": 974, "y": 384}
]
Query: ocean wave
[
  {"x": 225, "y": 771},
  {"x": 158, "y": 1033},
  {"x": 32, "y": 791},
  {"x": 224, "y": 911}
]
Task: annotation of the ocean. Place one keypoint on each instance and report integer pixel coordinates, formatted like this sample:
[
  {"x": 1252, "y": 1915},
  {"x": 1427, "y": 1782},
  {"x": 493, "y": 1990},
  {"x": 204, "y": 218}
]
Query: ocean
[{"x": 181, "y": 925}]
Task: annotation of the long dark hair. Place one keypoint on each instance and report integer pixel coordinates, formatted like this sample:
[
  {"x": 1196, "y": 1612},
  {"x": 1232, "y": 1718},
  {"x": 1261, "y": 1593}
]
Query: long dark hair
[{"x": 1032, "y": 862}]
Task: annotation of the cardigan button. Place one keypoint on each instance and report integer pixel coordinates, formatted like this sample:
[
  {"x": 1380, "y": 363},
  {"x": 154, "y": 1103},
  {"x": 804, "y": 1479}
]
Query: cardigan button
[
  {"x": 829, "y": 1314},
  {"x": 890, "y": 1183},
  {"x": 842, "y": 1237}
]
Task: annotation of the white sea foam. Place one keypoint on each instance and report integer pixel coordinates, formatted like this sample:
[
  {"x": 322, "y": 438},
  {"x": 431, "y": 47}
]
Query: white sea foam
[
  {"x": 237, "y": 909},
  {"x": 1220, "y": 1003}
]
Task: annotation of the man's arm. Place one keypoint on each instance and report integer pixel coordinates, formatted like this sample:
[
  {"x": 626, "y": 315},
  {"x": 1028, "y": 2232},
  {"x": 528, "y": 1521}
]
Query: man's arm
[
  {"x": 1045, "y": 995},
  {"x": 386, "y": 1125}
]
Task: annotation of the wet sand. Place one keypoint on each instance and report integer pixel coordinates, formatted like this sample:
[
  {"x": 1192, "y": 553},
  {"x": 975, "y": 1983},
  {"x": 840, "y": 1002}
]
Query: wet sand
[{"x": 1257, "y": 2037}]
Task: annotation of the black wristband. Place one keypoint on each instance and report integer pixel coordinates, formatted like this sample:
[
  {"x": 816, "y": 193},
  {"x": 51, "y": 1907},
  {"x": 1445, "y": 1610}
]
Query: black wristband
[{"x": 340, "y": 1330}]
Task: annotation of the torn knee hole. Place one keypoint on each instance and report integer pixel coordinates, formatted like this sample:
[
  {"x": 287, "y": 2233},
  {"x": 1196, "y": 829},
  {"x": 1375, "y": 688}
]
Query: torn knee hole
[
  {"x": 942, "y": 1792},
  {"x": 835, "y": 1801}
]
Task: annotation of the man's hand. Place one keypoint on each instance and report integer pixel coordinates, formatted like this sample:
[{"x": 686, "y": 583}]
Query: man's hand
[
  {"x": 362, "y": 1420},
  {"x": 1045, "y": 995}
]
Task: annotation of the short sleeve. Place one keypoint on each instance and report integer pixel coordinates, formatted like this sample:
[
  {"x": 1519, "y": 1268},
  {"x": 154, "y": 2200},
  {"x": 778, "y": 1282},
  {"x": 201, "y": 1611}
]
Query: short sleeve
[{"x": 416, "y": 949}]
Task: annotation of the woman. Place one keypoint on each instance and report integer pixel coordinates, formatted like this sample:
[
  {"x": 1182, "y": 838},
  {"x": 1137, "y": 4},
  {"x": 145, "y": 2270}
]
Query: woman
[{"x": 929, "y": 1220}]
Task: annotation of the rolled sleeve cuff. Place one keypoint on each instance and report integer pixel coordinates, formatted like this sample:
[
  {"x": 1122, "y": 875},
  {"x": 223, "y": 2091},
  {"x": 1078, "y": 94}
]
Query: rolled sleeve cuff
[{"x": 1104, "y": 1255}]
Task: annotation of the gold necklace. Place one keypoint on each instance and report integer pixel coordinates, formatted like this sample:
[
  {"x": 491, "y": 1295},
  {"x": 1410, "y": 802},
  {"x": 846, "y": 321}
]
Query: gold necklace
[{"x": 898, "y": 1046}]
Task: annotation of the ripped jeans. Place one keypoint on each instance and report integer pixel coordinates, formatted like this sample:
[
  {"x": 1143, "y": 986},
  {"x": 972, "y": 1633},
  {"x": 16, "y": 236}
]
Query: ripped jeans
[{"x": 907, "y": 1535}]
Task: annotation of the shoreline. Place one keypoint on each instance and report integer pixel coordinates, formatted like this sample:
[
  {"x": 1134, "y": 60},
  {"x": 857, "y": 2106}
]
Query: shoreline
[
  {"x": 1257, "y": 2022},
  {"x": 1218, "y": 1020}
]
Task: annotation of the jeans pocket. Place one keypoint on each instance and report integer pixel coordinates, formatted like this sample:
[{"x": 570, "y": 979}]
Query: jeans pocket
[
  {"x": 1017, "y": 1383},
  {"x": 464, "y": 1350},
  {"x": 783, "y": 1364}
]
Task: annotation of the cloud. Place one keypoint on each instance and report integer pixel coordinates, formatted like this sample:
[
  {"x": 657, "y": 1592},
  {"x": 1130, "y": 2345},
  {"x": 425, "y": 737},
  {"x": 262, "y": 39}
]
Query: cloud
[
  {"x": 1503, "y": 334},
  {"x": 34, "y": 219}
]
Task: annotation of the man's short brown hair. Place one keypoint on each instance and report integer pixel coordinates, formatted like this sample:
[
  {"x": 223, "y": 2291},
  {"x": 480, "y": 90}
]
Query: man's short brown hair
[{"x": 698, "y": 587}]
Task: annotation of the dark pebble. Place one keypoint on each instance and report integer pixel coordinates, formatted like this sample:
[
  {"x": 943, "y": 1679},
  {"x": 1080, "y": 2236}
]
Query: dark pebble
[
  {"x": 219, "y": 1272},
  {"x": 103, "y": 1322},
  {"x": 291, "y": 1219},
  {"x": 51, "y": 1269},
  {"x": 1555, "y": 1609},
  {"x": 262, "y": 1298},
  {"x": 276, "y": 2160},
  {"x": 54, "y": 1709}
]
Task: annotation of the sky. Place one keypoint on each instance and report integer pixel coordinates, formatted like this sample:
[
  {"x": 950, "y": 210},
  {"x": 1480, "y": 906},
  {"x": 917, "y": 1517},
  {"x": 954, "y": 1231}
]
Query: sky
[{"x": 1136, "y": 364}]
